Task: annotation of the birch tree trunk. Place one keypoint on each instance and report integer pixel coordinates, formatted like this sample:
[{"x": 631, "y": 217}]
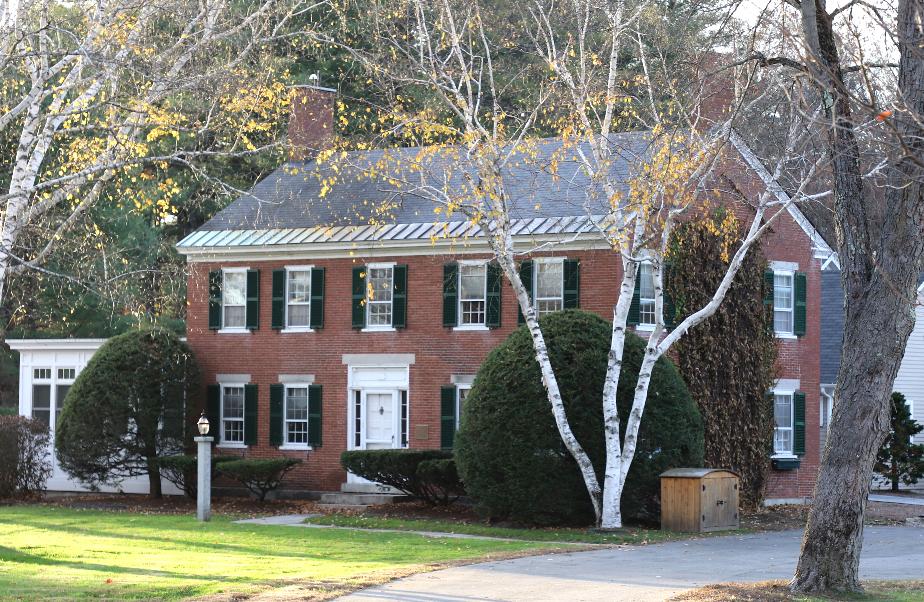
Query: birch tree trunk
[{"x": 880, "y": 263}]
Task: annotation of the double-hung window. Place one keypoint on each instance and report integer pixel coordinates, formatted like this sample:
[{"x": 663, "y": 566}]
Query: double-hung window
[
  {"x": 232, "y": 414},
  {"x": 234, "y": 298},
  {"x": 472, "y": 293},
  {"x": 66, "y": 378},
  {"x": 783, "y": 304},
  {"x": 296, "y": 416},
  {"x": 646, "y": 288},
  {"x": 380, "y": 283},
  {"x": 298, "y": 298},
  {"x": 41, "y": 395},
  {"x": 783, "y": 418},
  {"x": 549, "y": 286}
]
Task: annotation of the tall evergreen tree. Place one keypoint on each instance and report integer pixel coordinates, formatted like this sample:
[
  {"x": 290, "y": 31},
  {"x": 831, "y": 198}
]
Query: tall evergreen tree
[{"x": 900, "y": 460}]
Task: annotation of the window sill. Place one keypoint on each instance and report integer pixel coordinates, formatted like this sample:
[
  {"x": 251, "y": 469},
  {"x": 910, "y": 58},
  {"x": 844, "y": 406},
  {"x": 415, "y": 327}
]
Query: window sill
[
  {"x": 234, "y": 331},
  {"x": 379, "y": 329},
  {"x": 293, "y": 447},
  {"x": 786, "y": 335},
  {"x": 645, "y": 327},
  {"x": 471, "y": 328},
  {"x": 232, "y": 445},
  {"x": 296, "y": 329}
]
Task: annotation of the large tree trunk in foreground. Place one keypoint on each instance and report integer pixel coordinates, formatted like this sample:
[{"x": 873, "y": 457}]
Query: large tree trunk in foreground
[{"x": 881, "y": 257}]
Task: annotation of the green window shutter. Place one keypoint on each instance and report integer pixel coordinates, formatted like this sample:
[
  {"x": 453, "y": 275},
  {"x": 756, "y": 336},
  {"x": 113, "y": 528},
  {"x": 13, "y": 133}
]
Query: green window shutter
[
  {"x": 572, "y": 278},
  {"x": 447, "y": 416},
  {"x": 495, "y": 280},
  {"x": 250, "y": 414},
  {"x": 768, "y": 294},
  {"x": 359, "y": 297},
  {"x": 253, "y": 299},
  {"x": 450, "y": 294},
  {"x": 399, "y": 297},
  {"x": 277, "y": 392},
  {"x": 798, "y": 411},
  {"x": 800, "y": 285},
  {"x": 526, "y": 276},
  {"x": 314, "y": 416},
  {"x": 670, "y": 310},
  {"x": 635, "y": 307},
  {"x": 215, "y": 300},
  {"x": 213, "y": 409},
  {"x": 279, "y": 299},
  {"x": 317, "y": 298}
]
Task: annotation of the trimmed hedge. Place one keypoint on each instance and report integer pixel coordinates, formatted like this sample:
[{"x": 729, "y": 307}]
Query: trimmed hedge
[
  {"x": 181, "y": 470},
  {"x": 25, "y": 463},
  {"x": 508, "y": 448},
  {"x": 425, "y": 474},
  {"x": 258, "y": 476}
]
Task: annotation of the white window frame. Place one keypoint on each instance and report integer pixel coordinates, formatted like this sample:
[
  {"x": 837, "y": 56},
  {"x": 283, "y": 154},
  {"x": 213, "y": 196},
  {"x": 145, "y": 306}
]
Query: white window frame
[
  {"x": 826, "y": 407},
  {"x": 287, "y": 328},
  {"x": 285, "y": 416},
  {"x": 467, "y": 387},
  {"x": 60, "y": 380},
  {"x": 477, "y": 325},
  {"x": 233, "y": 329},
  {"x": 221, "y": 408},
  {"x": 791, "y": 393},
  {"x": 645, "y": 325},
  {"x": 536, "y": 263},
  {"x": 50, "y": 383},
  {"x": 379, "y": 327},
  {"x": 791, "y": 274}
]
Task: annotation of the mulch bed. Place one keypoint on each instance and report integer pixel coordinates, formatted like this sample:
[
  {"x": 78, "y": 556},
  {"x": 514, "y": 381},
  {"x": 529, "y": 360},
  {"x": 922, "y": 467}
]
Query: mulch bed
[
  {"x": 774, "y": 518},
  {"x": 778, "y": 591}
]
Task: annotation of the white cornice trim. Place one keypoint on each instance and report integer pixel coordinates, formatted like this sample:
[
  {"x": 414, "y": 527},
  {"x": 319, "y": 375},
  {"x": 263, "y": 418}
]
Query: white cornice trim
[
  {"x": 822, "y": 249},
  {"x": 55, "y": 344},
  {"x": 389, "y": 248}
]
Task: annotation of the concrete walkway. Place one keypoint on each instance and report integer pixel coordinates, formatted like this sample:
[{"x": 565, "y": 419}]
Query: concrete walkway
[
  {"x": 896, "y": 499},
  {"x": 298, "y": 520},
  {"x": 646, "y": 573}
]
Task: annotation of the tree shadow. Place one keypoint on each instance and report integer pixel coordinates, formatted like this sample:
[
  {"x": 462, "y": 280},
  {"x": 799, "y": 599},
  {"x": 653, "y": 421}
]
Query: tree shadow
[{"x": 15, "y": 555}]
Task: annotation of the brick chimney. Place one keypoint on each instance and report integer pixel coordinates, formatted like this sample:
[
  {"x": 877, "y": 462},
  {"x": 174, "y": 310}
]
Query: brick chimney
[
  {"x": 717, "y": 89},
  {"x": 311, "y": 121}
]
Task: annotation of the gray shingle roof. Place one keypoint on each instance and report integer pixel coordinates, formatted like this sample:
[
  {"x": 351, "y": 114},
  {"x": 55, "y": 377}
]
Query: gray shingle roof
[{"x": 290, "y": 197}]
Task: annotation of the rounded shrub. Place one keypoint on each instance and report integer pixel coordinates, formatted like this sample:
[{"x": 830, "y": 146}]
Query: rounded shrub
[
  {"x": 128, "y": 408},
  {"x": 508, "y": 450}
]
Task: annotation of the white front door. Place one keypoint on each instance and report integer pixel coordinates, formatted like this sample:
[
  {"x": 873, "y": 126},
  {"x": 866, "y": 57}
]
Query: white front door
[{"x": 381, "y": 417}]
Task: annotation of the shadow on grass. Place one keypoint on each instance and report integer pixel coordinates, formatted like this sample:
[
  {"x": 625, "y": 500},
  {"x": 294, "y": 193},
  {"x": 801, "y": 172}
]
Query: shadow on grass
[
  {"x": 304, "y": 541},
  {"x": 14, "y": 555}
]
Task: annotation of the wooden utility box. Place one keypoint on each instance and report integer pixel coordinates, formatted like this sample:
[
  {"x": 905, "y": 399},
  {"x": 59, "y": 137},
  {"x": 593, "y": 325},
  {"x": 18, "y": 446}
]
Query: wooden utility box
[{"x": 699, "y": 499}]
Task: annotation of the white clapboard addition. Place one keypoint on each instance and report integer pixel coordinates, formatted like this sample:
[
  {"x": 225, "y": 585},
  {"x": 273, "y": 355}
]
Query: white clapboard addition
[
  {"x": 47, "y": 369},
  {"x": 910, "y": 379}
]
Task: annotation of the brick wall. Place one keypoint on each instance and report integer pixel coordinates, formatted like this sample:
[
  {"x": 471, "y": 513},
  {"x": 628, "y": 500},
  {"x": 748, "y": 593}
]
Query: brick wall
[{"x": 441, "y": 352}]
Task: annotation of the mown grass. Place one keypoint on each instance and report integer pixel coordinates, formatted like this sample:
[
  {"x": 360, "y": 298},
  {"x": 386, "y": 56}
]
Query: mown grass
[
  {"x": 57, "y": 553},
  {"x": 582, "y": 536}
]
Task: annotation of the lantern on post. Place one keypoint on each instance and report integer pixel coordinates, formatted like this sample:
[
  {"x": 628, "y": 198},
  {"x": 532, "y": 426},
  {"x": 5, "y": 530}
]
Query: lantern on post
[{"x": 204, "y": 470}]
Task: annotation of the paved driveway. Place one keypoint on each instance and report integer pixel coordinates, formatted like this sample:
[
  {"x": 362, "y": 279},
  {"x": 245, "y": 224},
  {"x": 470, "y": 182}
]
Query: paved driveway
[{"x": 645, "y": 573}]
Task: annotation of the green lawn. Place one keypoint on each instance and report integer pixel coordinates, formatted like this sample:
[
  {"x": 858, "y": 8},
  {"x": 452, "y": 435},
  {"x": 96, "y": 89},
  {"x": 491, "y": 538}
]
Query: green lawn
[
  {"x": 50, "y": 552},
  {"x": 629, "y": 535}
]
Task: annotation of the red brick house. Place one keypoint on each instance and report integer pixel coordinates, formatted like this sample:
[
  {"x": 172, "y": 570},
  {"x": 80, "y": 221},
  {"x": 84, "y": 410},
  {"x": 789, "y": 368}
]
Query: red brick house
[{"x": 298, "y": 361}]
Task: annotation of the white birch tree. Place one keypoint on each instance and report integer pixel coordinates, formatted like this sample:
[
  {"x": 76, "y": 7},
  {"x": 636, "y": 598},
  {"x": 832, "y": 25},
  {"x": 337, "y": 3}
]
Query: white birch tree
[
  {"x": 451, "y": 50},
  {"x": 98, "y": 97}
]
